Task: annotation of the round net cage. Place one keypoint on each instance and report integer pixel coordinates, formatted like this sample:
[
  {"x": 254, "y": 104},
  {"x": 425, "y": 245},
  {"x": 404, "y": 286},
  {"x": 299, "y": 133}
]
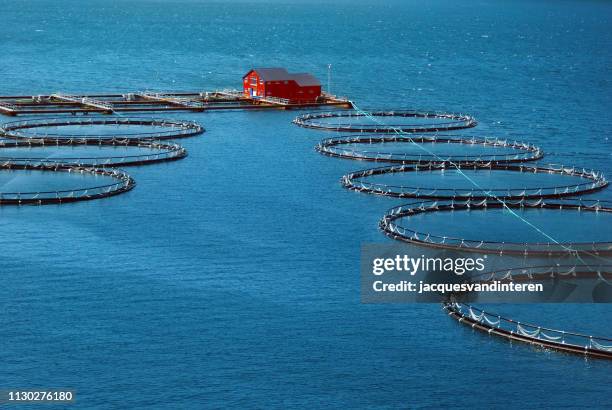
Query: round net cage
[
  {"x": 44, "y": 184},
  {"x": 61, "y": 160},
  {"x": 95, "y": 129},
  {"x": 591, "y": 269},
  {"x": 475, "y": 181},
  {"x": 510, "y": 329},
  {"x": 525, "y": 227},
  {"x": 101, "y": 153},
  {"x": 385, "y": 121},
  {"x": 419, "y": 149}
]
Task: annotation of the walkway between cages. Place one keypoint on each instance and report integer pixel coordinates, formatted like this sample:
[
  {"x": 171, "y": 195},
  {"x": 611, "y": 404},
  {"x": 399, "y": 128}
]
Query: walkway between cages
[{"x": 18, "y": 137}]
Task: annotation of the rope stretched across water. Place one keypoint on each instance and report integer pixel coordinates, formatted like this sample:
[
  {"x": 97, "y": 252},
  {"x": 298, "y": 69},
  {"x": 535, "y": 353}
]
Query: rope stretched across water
[
  {"x": 471, "y": 180},
  {"x": 490, "y": 199},
  {"x": 389, "y": 226},
  {"x": 518, "y": 151},
  {"x": 357, "y": 181}
]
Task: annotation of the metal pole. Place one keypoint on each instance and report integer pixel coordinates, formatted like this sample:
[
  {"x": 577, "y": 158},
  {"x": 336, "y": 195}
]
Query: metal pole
[{"x": 329, "y": 67}]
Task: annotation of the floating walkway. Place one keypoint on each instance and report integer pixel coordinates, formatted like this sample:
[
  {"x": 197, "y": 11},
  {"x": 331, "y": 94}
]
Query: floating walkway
[
  {"x": 492, "y": 324},
  {"x": 84, "y": 101},
  {"x": 148, "y": 101}
]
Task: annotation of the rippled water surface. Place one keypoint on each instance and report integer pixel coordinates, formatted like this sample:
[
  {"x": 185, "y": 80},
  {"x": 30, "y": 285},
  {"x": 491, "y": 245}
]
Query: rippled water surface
[{"x": 231, "y": 278}]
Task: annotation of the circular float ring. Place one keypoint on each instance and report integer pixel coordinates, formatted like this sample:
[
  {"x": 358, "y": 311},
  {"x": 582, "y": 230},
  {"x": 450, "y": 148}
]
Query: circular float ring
[
  {"x": 594, "y": 182},
  {"x": 163, "y": 152},
  {"x": 388, "y": 225},
  {"x": 523, "y": 152},
  {"x": 542, "y": 272},
  {"x": 510, "y": 329},
  {"x": 91, "y": 165},
  {"x": 448, "y": 121},
  {"x": 124, "y": 183},
  {"x": 178, "y": 129}
]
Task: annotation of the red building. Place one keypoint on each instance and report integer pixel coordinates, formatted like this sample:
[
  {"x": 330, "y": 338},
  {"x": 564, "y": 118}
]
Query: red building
[{"x": 278, "y": 83}]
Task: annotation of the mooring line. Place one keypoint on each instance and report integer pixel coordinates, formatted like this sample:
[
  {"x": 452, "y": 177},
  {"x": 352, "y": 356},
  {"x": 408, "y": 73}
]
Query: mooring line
[{"x": 486, "y": 192}]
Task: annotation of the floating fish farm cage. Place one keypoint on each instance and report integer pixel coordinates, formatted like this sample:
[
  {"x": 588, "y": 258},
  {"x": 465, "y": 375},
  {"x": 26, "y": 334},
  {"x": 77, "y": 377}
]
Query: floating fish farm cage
[
  {"x": 95, "y": 129},
  {"x": 391, "y": 226},
  {"x": 364, "y": 148},
  {"x": 102, "y": 133},
  {"x": 509, "y": 329},
  {"x": 592, "y": 270},
  {"x": 153, "y": 152},
  {"x": 390, "y": 136},
  {"x": 358, "y": 181},
  {"x": 394, "y": 142},
  {"x": 122, "y": 183},
  {"x": 353, "y": 121}
]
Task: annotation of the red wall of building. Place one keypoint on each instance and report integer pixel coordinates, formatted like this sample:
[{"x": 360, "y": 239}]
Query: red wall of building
[
  {"x": 292, "y": 91},
  {"x": 288, "y": 89},
  {"x": 253, "y": 82}
]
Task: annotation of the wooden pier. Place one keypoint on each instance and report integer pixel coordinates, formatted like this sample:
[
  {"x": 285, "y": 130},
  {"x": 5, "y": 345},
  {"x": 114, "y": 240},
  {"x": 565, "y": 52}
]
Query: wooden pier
[{"x": 147, "y": 101}]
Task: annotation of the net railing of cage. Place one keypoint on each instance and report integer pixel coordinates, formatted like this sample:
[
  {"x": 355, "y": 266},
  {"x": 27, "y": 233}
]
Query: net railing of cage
[
  {"x": 593, "y": 181},
  {"x": 144, "y": 138},
  {"x": 360, "y": 148},
  {"x": 430, "y": 121},
  {"x": 391, "y": 226},
  {"x": 514, "y": 330}
]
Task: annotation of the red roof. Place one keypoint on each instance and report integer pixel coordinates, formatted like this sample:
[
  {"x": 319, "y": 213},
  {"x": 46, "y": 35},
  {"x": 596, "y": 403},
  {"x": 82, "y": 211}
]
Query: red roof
[{"x": 281, "y": 74}]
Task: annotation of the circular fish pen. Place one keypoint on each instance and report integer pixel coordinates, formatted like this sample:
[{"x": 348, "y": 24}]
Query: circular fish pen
[
  {"x": 509, "y": 329},
  {"x": 587, "y": 270},
  {"x": 449, "y": 177},
  {"x": 119, "y": 182},
  {"x": 89, "y": 153},
  {"x": 113, "y": 128},
  {"x": 409, "y": 121},
  {"x": 452, "y": 149},
  {"x": 94, "y": 145},
  {"x": 592, "y": 211},
  {"x": 423, "y": 154}
]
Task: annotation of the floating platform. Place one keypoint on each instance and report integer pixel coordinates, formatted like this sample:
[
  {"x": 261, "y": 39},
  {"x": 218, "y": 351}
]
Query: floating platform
[{"x": 147, "y": 101}]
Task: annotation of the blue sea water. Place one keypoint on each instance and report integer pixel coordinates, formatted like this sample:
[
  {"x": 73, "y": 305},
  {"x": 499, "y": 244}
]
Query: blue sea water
[{"x": 231, "y": 278}]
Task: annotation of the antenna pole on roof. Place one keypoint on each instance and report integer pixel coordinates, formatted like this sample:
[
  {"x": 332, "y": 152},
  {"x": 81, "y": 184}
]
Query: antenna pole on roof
[{"x": 329, "y": 67}]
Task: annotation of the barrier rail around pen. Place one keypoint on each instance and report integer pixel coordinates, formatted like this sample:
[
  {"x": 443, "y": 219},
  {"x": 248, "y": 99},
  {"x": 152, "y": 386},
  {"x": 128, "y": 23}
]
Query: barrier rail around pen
[
  {"x": 390, "y": 226},
  {"x": 357, "y": 181},
  {"x": 123, "y": 184},
  {"x": 175, "y": 129},
  {"x": 445, "y": 121},
  {"x": 17, "y": 135},
  {"x": 517, "y": 151},
  {"x": 497, "y": 325},
  {"x": 159, "y": 152}
]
